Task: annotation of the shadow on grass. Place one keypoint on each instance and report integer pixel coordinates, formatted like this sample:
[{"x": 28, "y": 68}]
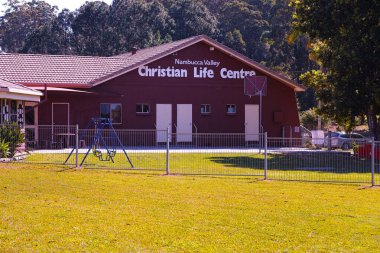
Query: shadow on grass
[{"x": 333, "y": 162}]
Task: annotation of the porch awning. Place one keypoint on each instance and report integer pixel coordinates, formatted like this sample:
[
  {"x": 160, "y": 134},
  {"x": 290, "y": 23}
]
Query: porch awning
[
  {"x": 9, "y": 90},
  {"x": 42, "y": 88}
]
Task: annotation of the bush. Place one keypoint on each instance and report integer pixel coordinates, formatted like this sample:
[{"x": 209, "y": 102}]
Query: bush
[
  {"x": 10, "y": 133},
  {"x": 309, "y": 119},
  {"x": 4, "y": 149},
  {"x": 355, "y": 147}
]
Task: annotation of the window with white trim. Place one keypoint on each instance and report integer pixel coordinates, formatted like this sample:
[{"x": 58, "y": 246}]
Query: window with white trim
[
  {"x": 231, "y": 109},
  {"x": 12, "y": 111},
  {"x": 205, "y": 109},
  {"x": 142, "y": 108},
  {"x": 111, "y": 111}
]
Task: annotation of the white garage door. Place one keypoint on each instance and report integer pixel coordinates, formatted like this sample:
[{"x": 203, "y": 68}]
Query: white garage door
[
  {"x": 184, "y": 123},
  {"x": 163, "y": 121},
  {"x": 252, "y": 124}
]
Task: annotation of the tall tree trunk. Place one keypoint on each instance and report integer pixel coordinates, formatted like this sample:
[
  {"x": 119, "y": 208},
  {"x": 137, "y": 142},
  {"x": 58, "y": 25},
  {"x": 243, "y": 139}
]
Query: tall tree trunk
[
  {"x": 373, "y": 124},
  {"x": 376, "y": 128}
]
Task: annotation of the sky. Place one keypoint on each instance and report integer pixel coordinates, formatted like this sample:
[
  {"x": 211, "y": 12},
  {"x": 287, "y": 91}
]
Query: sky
[{"x": 69, "y": 4}]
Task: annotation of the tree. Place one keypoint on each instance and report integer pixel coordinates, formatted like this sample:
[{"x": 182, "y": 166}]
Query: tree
[
  {"x": 91, "y": 29},
  {"x": 138, "y": 23},
  {"x": 192, "y": 18},
  {"x": 235, "y": 41},
  {"x": 345, "y": 40},
  {"x": 249, "y": 21},
  {"x": 21, "y": 19},
  {"x": 214, "y": 6},
  {"x": 54, "y": 38}
]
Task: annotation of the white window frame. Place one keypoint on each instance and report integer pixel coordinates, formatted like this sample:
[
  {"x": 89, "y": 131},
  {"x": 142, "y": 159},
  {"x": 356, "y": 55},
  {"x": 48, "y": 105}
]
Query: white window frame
[
  {"x": 205, "y": 109},
  {"x": 229, "y": 109},
  {"x": 142, "y": 107}
]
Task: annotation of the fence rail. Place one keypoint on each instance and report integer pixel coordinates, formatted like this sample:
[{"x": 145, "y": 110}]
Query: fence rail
[{"x": 303, "y": 159}]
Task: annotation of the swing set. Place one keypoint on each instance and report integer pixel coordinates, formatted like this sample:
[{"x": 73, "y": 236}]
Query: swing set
[{"x": 104, "y": 151}]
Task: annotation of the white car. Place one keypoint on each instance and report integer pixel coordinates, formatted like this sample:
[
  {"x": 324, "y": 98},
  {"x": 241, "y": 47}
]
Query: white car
[{"x": 345, "y": 140}]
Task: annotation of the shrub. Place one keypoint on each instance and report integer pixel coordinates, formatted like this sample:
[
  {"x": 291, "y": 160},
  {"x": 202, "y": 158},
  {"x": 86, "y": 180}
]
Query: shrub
[
  {"x": 355, "y": 147},
  {"x": 11, "y": 133},
  {"x": 309, "y": 119},
  {"x": 308, "y": 144},
  {"x": 4, "y": 149}
]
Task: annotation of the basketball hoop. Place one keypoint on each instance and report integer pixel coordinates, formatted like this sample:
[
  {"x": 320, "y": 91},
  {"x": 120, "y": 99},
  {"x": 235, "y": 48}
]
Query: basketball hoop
[{"x": 255, "y": 86}]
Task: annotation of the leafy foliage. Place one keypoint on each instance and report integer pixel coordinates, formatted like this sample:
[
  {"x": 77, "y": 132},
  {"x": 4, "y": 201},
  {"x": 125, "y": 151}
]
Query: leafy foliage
[
  {"x": 248, "y": 20},
  {"x": 4, "y": 149},
  {"x": 345, "y": 41},
  {"x": 52, "y": 38},
  {"x": 309, "y": 119},
  {"x": 10, "y": 133},
  {"x": 192, "y": 18},
  {"x": 91, "y": 30},
  {"x": 21, "y": 20},
  {"x": 138, "y": 23}
]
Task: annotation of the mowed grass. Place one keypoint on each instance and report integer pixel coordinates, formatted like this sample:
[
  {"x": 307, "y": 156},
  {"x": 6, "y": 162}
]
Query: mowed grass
[
  {"x": 306, "y": 166},
  {"x": 44, "y": 208}
]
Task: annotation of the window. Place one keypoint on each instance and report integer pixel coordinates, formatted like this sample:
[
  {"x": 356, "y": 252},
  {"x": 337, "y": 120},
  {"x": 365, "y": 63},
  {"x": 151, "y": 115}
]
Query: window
[
  {"x": 231, "y": 109},
  {"x": 356, "y": 136},
  {"x": 111, "y": 111},
  {"x": 205, "y": 109},
  {"x": 142, "y": 108},
  {"x": 11, "y": 111}
]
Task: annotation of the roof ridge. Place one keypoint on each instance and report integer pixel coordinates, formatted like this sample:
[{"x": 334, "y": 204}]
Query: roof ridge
[{"x": 157, "y": 46}]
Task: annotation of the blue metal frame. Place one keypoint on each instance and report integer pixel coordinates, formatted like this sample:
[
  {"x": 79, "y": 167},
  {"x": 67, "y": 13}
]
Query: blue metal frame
[{"x": 99, "y": 124}]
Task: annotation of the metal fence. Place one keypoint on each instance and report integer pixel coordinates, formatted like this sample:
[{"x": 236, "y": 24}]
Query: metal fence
[{"x": 302, "y": 159}]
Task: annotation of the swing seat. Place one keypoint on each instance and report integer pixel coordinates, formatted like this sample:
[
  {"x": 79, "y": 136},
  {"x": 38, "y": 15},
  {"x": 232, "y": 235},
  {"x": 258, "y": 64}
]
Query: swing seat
[
  {"x": 97, "y": 153},
  {"x": 107, "y": 158}
]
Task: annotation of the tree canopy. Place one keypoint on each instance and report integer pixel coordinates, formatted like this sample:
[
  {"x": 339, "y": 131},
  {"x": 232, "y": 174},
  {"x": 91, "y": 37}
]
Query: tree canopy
[{"x": 345, "y": 41}]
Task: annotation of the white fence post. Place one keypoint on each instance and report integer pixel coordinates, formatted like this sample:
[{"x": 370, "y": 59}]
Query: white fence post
[
  {"x": 265, "y": 156},
  {"x": 373, "y": 162},
  {"x": 76, "y": 145},
  {"x": 167, "y": 150}
]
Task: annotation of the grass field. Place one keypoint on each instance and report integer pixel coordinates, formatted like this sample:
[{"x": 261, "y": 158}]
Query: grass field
[
  {"x": 306, "y": 166},
  {"x": 44, "y": 208}
]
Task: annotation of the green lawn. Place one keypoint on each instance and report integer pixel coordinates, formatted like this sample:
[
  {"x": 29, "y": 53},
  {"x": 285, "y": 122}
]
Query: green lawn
[
  {"x": 44, "y": 208},
  {"x": 306, "y": 166}
]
